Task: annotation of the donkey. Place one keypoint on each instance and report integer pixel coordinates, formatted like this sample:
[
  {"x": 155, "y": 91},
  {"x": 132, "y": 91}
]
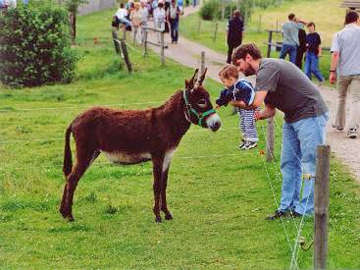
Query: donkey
[{"x": 134, "y": 136}]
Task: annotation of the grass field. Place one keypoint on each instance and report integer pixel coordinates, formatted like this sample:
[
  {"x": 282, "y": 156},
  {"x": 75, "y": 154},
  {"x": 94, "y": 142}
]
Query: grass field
[
  {"x": 326, "y": 14},
  {"x": 218, "y": 195}
]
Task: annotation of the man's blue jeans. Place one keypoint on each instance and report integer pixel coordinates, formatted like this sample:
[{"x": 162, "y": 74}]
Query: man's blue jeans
[
  {"x": 312, "y": 66},
  {"x": 298, "y": 159},
  {"x": 288, "y": 49}
]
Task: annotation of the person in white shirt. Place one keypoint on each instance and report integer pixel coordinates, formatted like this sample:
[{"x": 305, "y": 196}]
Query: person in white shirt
[
  {"x": 345, "y": 59},
  {"x": 159, "y": 19},
  {"x": 121, "y": 16}
]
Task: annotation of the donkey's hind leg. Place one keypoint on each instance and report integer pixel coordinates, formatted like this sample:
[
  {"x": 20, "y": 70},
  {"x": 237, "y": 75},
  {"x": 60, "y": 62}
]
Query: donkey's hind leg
[{"x": 83, "y": 160}]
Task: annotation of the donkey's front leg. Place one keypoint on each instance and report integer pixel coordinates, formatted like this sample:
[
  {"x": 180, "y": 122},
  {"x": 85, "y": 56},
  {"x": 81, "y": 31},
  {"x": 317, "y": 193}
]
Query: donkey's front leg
[
  {"x": 166, "y": 166},
  {"x": 164, "y": 207},
  {"x": 157, "y": 186}
]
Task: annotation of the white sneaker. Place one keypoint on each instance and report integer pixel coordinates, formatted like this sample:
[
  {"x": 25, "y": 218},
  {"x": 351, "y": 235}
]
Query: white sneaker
[
  {"x": 351, "y": 133},
  {"x": 321, "y": 83}
]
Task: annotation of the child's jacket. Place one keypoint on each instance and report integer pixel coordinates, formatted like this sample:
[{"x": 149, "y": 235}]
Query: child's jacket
[{"x": 241, "y": 91}]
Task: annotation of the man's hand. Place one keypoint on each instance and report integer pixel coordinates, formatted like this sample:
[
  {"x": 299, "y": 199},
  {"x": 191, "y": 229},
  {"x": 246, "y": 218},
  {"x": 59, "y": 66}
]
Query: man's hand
[
  {"x": 332, "y": 77},
  {"x": 257, "y": 115}
]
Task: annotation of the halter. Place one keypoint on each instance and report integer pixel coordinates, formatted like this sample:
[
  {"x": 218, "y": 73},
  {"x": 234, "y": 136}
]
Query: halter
[{"x": 190, "y": 109}]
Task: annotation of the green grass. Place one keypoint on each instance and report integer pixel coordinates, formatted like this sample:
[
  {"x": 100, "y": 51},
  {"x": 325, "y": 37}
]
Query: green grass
[
  {"x": 326, "y": 14},
  {"x": 218, "y": 195}
]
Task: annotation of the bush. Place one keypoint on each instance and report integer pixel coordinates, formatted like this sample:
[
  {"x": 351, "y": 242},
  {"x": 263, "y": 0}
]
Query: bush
[
  {"x": 210, "y": 10},
  {"x": 34, "y": 45}
]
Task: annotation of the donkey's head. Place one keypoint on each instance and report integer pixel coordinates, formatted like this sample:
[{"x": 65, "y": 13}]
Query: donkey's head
[{"x": 198, "y": 107}]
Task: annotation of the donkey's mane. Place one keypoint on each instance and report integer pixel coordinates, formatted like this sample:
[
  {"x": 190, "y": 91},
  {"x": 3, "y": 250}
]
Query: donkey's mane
[{"x": 170, "y": 103}]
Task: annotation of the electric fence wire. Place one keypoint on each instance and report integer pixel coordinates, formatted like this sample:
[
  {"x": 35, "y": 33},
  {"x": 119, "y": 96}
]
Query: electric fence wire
[
  {"x": 299, "y": 230},
  {"x": 274, "y": 195},
  {"x": 97, "y": 164},
  {"x": 62, "y": 138}
]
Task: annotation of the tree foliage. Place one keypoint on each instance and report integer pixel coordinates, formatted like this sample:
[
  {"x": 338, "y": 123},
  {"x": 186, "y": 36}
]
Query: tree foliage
[{"x": 34, "y": 45}]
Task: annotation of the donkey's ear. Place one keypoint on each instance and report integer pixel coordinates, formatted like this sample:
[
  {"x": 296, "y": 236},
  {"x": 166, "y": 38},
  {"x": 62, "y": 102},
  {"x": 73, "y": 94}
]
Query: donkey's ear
[
  {"x": 190, "y": 84},
  {"x": 202, "y": 77}
]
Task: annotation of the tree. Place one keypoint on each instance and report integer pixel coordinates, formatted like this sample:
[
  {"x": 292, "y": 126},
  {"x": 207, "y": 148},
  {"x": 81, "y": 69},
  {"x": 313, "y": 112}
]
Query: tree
[{"x": 72, "y": 7}]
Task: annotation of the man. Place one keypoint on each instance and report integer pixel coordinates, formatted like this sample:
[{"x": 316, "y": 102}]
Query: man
[
  {"x": 281, "y": 85},
  {"x": 234, "y": 33},
  {"x": 173, "y": 15},
  {"x": 301, "y": 49},
  {"x": 291, "y": 37},
  {"x": 345, "y": 63}
]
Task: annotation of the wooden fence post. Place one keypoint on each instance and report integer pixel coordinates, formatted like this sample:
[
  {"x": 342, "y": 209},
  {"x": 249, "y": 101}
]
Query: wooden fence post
[
  {"x": 145, "y": 41},
  {"x": 116, "y": 44},
  {"x": 321, "y": 204},
  {"x": 126, "y": 55},
  {"x": 270, "y": 140},
  {"x": 269, "y": 44},
  {"x": 162, "y": 49},
  {"x": 202, "y": 66},
  {"x": 215, "y": 33}
]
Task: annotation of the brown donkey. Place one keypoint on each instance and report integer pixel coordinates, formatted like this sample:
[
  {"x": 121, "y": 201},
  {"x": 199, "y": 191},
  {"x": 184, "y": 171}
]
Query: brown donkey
[{"x": 129, "y": 137}]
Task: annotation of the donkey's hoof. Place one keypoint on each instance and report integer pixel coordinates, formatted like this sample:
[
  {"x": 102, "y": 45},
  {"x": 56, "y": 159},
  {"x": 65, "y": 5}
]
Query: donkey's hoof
[
  {"x": 158, "y": 220},
  {"x": 168, "y": 216},
  {"x": 70, "y": 218}
]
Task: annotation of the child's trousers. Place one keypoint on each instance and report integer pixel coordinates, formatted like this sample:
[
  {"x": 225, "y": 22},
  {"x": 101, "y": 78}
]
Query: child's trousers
[{"x": 247, "y": 124}]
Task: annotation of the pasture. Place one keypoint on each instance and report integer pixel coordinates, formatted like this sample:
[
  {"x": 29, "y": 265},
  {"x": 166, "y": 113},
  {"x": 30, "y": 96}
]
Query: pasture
[{"x": 217, "y": 194}]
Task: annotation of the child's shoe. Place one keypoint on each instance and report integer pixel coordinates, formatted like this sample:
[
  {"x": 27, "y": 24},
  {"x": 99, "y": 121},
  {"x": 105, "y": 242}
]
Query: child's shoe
[
  {"x": 248, "y": 145},
  {"x": 243, "y": 142}
]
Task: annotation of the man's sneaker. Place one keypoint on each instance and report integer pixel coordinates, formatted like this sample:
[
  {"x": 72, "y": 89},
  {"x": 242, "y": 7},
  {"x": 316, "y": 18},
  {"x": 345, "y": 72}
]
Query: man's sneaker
[
  {"x": 277, "y": 214},
  {"x": 351, "y": 133},
  {"x": 295, "y": 214},
  {"x": 321, "y": 83},
  {"x": 248, "y": 145}
]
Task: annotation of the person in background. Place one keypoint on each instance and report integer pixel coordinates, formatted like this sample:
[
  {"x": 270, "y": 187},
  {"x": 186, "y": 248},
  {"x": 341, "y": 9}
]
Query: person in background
[
  {"x": 345, "y": 59},
  {"x": 159, "y": 19},
  {"x": 144, "y": 9},
  {"x": 240, "y": 90},
  {"x": 301, "y": 49},
  {"x": 180, "y": 4},
  {"x": 290, "y": 33},
  {"x": 121, "y": 16},
  {"x": 234, "y": 33},
  {"x": 313, "y": 52},
  {"x": 174, "y": 15}
]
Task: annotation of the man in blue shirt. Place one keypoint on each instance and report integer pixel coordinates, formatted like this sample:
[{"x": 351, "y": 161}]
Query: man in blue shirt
[{"x": 291, "y": 37}]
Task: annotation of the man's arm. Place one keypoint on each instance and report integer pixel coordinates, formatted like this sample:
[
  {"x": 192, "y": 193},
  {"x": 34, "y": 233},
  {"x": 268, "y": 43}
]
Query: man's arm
[
  {"x": 268, "y": 112},
  {"x": 334, "y": 62},
  {"x": 258, "y": 100}
]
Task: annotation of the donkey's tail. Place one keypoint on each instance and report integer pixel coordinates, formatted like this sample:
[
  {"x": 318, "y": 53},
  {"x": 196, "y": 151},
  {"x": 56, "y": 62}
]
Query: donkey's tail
[{"x": 67, "y": 167}]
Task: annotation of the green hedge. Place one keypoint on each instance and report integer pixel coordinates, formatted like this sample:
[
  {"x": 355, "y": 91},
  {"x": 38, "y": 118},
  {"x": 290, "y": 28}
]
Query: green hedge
[{"x": 34, "y": 45}]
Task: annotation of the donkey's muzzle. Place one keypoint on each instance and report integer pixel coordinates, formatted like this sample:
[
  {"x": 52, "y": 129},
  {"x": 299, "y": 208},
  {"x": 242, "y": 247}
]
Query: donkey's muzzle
[{"x": 213, "y": 122}]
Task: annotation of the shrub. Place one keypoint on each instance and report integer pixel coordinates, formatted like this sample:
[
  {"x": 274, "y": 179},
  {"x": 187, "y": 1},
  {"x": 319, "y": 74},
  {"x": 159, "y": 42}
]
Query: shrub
[
  {"x": 34, "y": 45},
  {"x": 210, "y": 10}
]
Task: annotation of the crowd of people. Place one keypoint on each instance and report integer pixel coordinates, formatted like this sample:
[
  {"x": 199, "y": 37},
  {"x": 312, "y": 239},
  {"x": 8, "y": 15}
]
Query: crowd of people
[{"x": 165, "y": 15}]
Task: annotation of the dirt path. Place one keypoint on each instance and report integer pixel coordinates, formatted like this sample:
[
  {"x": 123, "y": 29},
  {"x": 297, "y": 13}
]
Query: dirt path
[{"x": 188, "y": 54}]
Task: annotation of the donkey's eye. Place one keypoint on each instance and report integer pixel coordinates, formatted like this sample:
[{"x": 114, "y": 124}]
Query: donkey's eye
[{"x": 201, "y": 103}]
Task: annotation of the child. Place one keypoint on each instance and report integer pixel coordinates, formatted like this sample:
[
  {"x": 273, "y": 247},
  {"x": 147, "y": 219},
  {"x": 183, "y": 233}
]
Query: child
[
  {"x": 313, "y": 52},
  {"x": 240, "y": 90}
]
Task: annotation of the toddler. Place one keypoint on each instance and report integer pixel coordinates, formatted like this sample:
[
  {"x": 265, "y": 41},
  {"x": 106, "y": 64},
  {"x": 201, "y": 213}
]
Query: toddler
[{"x": 239, "y": 90}]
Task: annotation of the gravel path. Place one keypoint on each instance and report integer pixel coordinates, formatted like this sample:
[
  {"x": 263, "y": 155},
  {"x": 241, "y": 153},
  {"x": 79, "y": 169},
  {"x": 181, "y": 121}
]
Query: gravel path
[{"x": 188, "y": 54}]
